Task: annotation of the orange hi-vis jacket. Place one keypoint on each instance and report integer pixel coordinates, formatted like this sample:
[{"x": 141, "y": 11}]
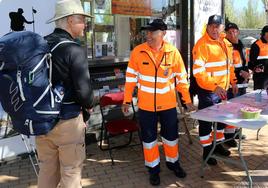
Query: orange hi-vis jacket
[
  {"x": 237, "y": 60},
  {"x": 155, "y": 77},
  {"x": 213, "y": 65}
]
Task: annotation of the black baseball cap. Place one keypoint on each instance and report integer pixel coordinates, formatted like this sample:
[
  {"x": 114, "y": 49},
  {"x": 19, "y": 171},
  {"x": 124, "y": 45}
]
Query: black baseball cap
[
  {"x": 264, "y": 30},
  {"x": 231, "y": 25},
  {"x": 215, "y": 19},
  {"x": 156, "y": 24}
]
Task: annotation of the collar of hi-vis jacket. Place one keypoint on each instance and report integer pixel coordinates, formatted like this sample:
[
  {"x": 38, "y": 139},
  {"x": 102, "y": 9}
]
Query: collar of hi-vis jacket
[
  {"x": 165, "y": 49},
  {"x": 222, "y": 41}
]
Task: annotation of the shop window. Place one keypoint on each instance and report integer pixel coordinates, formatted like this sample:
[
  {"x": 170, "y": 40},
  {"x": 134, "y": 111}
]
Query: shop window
[{"x": 115, "y": 35}]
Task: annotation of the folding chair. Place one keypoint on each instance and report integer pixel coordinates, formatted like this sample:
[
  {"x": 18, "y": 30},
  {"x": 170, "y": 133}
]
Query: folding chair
[
  {"x": 115, "y": 126},
  {"x": 182, "y": 116}
]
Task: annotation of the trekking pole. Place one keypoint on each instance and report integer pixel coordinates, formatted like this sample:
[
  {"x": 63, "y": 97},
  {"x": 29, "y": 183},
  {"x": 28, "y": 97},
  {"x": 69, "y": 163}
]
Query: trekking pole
[
  {"x": 29, "y": 154},
  {"x": 33, "y": 12}
]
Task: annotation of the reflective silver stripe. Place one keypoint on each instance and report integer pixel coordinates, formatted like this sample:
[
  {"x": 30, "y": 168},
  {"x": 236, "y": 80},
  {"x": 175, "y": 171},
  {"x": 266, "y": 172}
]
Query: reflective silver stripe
[
  {"x": 159, "y": 91},
  {"x": 262, "y": 57},
  {"x": 238, "y": 65},
  {"x": 149, "y": 145},
  {"x": 72, "y": 102},
  {"x": 202, "y": 69},
  {"x": 220, "y": 131},
  {"x": 31, "y": 127},
  {"x": 47, "y": 112},
  {"x": 215, "y": 64},
  {"x": 172, "y": 160},
  {"x": 153, "y": 164},
  {"x": 202, "y": 138},
  {"x": 131, "y": 79},
  {"x": 184, "y": 81},
  {"x": 204, "y": 145},
  {"x": 131, "y": 71},
  {"x": 199, "y": 63},
  {"x": 218, "y": 73},
  {"x": 152, "y": 79},
  {"x": 170, "y": 143},
  {"x": 229, "y": 130},
  {"x": 42, "y": 96},
  {"x": 242, "y": 85},
  {"x": 2, "y": 66},
  {"x": 179, "y": 74}
]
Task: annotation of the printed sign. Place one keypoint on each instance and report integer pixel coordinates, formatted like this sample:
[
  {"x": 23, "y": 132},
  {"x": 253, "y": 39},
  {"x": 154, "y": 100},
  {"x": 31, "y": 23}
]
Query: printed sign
[{"x": 132, "y": 7}]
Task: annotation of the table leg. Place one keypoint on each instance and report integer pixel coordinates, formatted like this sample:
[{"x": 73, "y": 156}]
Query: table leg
[{"x": 242, "y": 158}]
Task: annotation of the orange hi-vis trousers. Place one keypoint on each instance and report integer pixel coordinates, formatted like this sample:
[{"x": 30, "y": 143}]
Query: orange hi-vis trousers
[{"x": 169, "y": 133}]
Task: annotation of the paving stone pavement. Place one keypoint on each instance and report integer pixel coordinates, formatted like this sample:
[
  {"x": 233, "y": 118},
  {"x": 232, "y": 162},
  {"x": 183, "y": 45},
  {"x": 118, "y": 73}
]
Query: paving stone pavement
[{"x": 129, "y": 170}]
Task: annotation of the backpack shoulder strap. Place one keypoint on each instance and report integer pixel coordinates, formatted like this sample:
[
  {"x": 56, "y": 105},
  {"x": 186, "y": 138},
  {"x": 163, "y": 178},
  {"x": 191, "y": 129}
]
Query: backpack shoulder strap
[{"x": 62, "y": 42}]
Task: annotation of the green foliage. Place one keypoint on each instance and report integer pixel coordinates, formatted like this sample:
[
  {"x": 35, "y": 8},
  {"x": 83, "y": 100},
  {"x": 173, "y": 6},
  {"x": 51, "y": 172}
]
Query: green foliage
[{"x": 246, "y": 18}]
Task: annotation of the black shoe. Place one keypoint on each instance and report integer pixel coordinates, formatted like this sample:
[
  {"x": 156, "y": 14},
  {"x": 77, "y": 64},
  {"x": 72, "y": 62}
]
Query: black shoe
[
  {"x": 211, "y": 161},
  {"x": 154, "y": 179},
  {"x": 231, "y": 143},
  {"x": 179, "y": 172},
  {"x": 243, "y": 137},
  {"x": 222, "y": 151}
]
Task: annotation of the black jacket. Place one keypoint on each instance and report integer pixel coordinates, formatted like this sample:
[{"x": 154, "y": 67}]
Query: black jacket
[
  {"x": 259, "y": 78},
  {"x": 70, "y": 68},
  {"x": 240, "y": 48}
]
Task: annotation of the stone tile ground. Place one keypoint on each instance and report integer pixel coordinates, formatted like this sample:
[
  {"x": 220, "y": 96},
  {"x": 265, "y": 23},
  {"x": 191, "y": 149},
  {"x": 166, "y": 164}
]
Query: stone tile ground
[{"x": 129, "y": 170}]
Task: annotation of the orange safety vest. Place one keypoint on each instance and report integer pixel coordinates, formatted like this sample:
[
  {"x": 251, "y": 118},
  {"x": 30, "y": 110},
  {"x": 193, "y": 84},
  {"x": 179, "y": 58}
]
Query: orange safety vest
[
  {"x": 155, "y": 77},
  {"x": 247, "y": 52},
  {"x": 237, "y": 61},
  {"x": 263, "y": 54},
  {"x": 213, "y": 65}
]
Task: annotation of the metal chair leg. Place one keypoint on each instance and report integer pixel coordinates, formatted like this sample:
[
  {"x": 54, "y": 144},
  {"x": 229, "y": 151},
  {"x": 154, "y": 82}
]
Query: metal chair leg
[
  {"x": 187, "y": 131},
  {"x": 258, "y": 134},
  {"x": 110, "y": 150}
]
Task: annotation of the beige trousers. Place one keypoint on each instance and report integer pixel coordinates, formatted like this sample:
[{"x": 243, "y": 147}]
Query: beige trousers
[{"x": 61, "y": 154}]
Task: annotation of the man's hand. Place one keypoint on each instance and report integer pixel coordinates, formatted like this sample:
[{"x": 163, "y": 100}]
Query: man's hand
[
  {"x": 244, "y": 74},
  {"x": 234, "y": 89},
  {"x": 220, "y": 92},
  {"x": 259, "y": 68},
  {"x": 190, "y": 107},
  {"x": 125, "y": 108}
]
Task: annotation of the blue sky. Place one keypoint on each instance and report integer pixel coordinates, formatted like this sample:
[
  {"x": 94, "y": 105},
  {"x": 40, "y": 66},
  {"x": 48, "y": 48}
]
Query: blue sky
[{"x": 240, "y": 4}]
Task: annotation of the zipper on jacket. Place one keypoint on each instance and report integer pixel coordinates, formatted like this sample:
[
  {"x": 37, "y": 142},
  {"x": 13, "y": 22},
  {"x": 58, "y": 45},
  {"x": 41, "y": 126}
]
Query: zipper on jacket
[
  {"x": 155, "y": 76},
  {"x": 223, "y": 45}
]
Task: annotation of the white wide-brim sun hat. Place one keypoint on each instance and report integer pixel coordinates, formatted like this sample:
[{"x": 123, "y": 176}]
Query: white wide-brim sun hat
[{"x": 65, "y": 8}]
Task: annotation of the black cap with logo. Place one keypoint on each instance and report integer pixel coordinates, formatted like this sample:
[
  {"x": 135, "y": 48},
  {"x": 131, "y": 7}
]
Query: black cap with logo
[
  {"x": 156, "y": 24},
  {"x": 215, "y": 19},
  {"x": 231, "y": 25}
]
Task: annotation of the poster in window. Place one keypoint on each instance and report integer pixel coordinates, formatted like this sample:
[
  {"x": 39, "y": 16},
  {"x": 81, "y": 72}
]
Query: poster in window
[
  {"x": 132, "y": 7},
  {"x": 100, "y": 4},
  {"x": 98, "y": 50},
  {"x": 202, "y": 10}
]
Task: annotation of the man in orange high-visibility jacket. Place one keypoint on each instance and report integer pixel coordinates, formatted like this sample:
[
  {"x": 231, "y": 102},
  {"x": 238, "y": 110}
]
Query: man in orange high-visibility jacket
[
  {"x": 157, "y": 68},
  {"x": 213, "y": 72},
  {"x": 258, "y": 60},
  {"x": 241, "y": 72}
]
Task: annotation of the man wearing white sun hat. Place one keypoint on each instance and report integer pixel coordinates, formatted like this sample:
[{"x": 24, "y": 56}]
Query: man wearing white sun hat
[{"x": 62, "y": 151}]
